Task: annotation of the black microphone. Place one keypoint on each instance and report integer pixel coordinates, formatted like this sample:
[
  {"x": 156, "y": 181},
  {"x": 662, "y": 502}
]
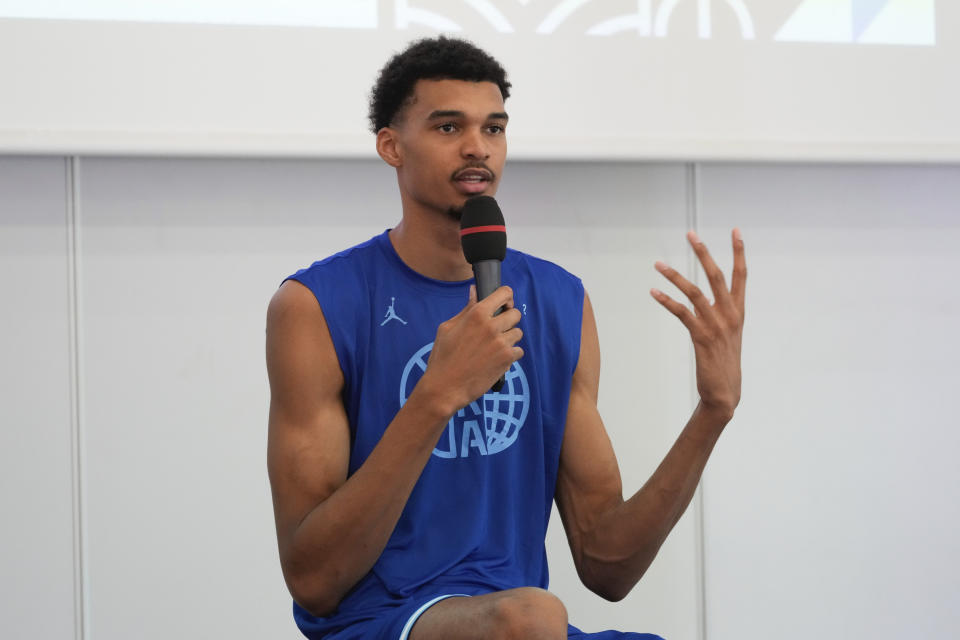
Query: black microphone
[{"x": 483, "y": 236}]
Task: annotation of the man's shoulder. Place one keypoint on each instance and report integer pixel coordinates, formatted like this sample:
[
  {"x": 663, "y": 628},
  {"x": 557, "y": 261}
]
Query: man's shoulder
[
  {"x": 540, "y": 268},
  {"x": 347, "y": 259},
  {"x": 336, "y": 279}
]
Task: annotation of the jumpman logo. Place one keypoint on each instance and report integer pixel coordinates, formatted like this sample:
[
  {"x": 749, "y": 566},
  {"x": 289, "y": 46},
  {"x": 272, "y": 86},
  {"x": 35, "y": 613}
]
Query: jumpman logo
[{"x": 391, "y": 314}]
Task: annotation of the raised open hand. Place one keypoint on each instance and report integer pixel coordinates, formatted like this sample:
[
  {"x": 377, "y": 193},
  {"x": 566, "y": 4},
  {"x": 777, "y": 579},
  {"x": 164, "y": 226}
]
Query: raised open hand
[{"x": 716, "y": 329}]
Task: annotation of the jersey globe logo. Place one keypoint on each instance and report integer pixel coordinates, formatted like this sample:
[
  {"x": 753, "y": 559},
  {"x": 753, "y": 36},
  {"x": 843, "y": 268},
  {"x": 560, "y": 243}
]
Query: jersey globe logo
[{"x": 501, "y": 414}]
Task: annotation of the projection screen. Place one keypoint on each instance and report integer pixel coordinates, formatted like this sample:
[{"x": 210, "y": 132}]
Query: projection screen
[{"x": 844, "y": 80}]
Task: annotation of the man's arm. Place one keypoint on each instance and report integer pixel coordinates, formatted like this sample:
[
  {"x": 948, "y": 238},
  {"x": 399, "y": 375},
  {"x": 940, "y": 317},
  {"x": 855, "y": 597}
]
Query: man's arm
[
  {"x": 614, "y": 541},
  {"x": 331, "y": 529}
]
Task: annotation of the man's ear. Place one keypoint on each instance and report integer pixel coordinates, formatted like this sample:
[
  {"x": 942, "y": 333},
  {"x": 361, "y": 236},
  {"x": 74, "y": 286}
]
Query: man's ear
[{"x": 388, "y": 147}]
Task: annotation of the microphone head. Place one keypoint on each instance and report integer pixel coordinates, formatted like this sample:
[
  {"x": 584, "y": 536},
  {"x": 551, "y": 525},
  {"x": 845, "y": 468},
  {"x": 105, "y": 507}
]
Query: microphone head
[{"x": 482, "y": 231}]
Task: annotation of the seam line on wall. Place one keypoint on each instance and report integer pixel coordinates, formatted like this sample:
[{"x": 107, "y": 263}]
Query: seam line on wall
[
  {"x": 693, "y": 268},
  {"x": 80, "y": 617}
]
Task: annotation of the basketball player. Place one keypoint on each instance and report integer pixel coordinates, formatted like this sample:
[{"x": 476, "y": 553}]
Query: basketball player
[{"x": 410, "y": 500}]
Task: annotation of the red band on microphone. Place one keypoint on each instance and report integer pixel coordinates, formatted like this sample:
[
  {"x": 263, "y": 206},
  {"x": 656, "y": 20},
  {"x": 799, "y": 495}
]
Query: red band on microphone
[{"x": 483, "y": 228}]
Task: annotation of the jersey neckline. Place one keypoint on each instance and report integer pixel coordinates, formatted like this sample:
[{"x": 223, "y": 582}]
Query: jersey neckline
[{"x": 447, "y": 287}]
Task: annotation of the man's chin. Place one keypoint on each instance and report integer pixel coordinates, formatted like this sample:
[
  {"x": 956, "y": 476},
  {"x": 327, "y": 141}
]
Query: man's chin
[{"x": 456, "y": 211}]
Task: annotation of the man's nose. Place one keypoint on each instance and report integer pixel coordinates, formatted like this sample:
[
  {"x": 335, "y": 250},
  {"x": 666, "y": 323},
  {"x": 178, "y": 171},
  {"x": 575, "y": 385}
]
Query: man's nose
[{"x": 474, "y": 145}]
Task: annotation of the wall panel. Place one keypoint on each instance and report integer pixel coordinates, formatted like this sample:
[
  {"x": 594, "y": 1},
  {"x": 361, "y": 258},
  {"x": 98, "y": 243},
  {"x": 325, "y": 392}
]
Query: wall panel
[
  {"x": 36, "y": 460},
  {"x": 832, "y": 501},
  {"x": 180, "y": 260}
]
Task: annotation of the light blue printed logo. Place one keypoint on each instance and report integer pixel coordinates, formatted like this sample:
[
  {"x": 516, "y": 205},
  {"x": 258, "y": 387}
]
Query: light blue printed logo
[
  {"x": 501, "y": 414},
  {"x": 391, "y": 314}
]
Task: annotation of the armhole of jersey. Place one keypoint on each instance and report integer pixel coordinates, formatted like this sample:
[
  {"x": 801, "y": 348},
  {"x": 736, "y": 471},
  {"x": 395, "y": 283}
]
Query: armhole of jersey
[
  {"x": 581, "y": 297},
  {"x": 338, "y": 345}
]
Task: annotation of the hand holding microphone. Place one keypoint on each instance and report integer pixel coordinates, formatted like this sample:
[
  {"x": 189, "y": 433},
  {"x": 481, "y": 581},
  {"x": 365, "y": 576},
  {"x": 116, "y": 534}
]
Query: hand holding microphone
[
  {"x": 483, "y": 236},
  {"x": 480, "y": 342}
]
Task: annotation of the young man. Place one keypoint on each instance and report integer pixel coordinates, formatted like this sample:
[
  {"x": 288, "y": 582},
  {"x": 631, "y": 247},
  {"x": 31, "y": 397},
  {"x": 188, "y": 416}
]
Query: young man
[{"x": 410, "y": 501}]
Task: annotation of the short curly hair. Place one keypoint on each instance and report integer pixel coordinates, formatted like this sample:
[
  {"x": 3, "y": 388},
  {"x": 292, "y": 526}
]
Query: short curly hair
[{"x": 438, "y": 58}]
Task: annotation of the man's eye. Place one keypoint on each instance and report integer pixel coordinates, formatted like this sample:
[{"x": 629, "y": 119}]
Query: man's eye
[
  {"x": 447, "y": 127},
  {"x": 495, "y": 128}
]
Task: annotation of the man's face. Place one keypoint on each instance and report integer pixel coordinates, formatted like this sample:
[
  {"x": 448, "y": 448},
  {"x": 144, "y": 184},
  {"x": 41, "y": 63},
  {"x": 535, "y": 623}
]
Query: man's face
[{"x": 452, "y": 143}]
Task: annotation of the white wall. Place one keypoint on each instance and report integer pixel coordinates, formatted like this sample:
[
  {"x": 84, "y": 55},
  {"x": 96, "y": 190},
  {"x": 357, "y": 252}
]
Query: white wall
[
  {"x": 833, "y": 501},
  {"x": 37, "y": 488},
  {"x": 829, "y": 503}
]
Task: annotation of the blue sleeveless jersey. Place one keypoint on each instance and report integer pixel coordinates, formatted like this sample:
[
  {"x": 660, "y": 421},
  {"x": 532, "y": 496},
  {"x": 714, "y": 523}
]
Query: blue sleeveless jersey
[{"x": 476, "y": 519}]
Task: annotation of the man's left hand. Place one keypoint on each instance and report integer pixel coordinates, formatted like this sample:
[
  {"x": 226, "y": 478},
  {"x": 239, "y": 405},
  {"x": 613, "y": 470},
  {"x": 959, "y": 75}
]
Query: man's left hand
[{"x": 716, "y": 329}]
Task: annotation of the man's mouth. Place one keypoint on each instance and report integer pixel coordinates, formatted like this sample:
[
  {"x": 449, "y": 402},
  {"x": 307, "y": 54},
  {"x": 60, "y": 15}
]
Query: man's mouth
[
  {"x": 473, "y": 175},
  {"x": 473, "y": 180}
]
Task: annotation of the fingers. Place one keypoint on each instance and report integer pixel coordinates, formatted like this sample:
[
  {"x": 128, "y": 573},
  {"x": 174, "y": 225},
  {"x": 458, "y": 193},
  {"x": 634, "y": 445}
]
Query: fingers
[
  {"x": 714, "y": 275},
  {"x": 739, "y": 280},
  {"x": 507, "y": 320},
  {"x": 502, "y": 297},
  {"x": 513, "y": 336},
  {"x": 728, "y": 302},
  {"x": 675, "y": 308},
  {"x": 693, "y": 293}
]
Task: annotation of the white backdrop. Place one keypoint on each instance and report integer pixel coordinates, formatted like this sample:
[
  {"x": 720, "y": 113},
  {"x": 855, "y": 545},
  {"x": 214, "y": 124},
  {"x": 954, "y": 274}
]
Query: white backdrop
[{"x": 647, "y": 79}]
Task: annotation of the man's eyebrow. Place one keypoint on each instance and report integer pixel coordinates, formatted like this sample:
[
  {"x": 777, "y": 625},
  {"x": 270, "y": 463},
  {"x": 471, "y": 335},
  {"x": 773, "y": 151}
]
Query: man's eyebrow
[
  {"x": 440, "y": 113},
  {"x": 453, "y": 113}
]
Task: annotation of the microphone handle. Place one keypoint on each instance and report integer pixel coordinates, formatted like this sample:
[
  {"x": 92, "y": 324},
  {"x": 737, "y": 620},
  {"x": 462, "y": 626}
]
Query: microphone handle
[{"x": 487, "y": 276}]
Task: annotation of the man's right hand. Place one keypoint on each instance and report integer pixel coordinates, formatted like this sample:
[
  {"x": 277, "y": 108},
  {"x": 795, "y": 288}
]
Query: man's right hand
[{"x": 472, "y": 350}]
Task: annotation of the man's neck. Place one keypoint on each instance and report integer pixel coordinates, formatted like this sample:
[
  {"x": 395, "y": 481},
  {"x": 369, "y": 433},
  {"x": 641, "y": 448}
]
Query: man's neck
[{"x": 430, "y": 245}]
